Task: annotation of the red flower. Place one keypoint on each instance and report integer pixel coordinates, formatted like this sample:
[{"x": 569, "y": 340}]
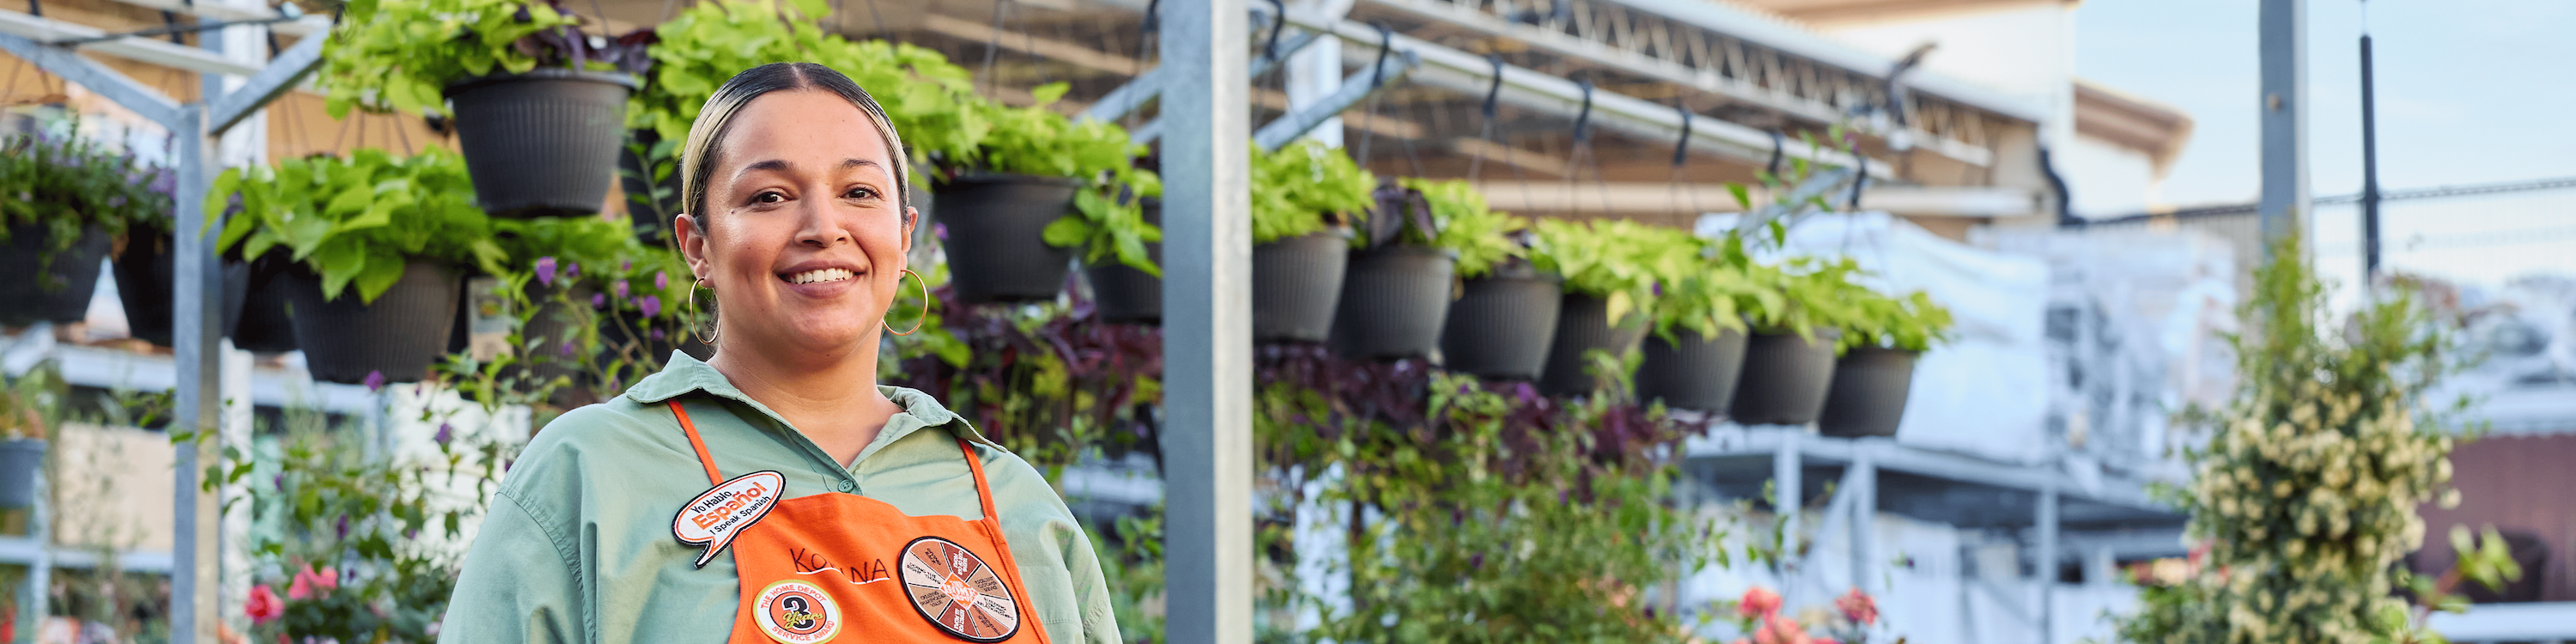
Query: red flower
[
  {"x": 264, "y": 606},
  {"x": 1858, "y": 607},
  {"x": 1758, "y": 602},
  {"x": 307, "y": 582}
]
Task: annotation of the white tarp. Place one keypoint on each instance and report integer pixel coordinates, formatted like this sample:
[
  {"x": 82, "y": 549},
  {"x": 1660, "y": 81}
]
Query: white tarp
[{"x": 1986, "y": 391}]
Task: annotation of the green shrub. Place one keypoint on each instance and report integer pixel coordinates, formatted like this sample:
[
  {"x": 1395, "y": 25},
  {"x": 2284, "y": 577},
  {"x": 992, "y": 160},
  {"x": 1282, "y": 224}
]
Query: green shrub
[
  {"x": 357, "y": 220},
  {"x": 65, "y": 183},
  {"x": 1304, "y": 188},
  {"x": 389, "y": 55}
]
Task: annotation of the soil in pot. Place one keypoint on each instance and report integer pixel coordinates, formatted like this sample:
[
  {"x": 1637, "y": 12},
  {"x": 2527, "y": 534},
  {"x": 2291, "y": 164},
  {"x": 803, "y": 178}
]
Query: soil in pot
[
  {"x": 544, "y": 142},
  {"x": 1124, "y": 294},
  {"x": 1693, "y": 371},
  {"x": 996, "y": 226},
  {"x": 35, "y": 290},
  {"x": 1868, "y": 397},
  {"x": 1394, "y": 301},
  {"x": 1296, "y": 285},
  {"x": 264, "y": 326},
  {"x": 21, "y": 461},
  {"x": 1583, "y": 325},
  {"x": 1785, "y": 378},
  {"x": 400, "y": 335},
  {"x": 1502, "y": 324},
  {"x": 144, "y": 285}
]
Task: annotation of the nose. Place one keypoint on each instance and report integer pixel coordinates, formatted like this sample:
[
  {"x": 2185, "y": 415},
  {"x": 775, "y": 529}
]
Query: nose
[{"x": 815, "y": 225}]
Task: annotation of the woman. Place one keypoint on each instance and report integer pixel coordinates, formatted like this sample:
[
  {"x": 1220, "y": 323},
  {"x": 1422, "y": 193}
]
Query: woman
[{"x": 775, "y": 492}]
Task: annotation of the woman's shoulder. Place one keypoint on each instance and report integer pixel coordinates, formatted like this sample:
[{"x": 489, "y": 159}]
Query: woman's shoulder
[{"x": 614, "y": 435}]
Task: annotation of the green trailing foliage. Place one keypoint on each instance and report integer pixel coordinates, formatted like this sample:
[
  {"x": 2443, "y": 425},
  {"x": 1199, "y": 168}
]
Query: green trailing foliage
[
  {"x": 1706, "y": 285},
  {"x": 357, "y": 220},
  {"x": 1912, "y": 323},
  {"x": 2305, "y": 497},
  {"x": 387, "y": 55},
  {"x": 1806, "y": 293},
  {"x": 1482, "y": 238},
  {"x": 1615, "y": 259},
  {"x": 1108, "y": 221},
  {"x": 1305, "y": 188},
  {"x": 63, "y": 183},
  {"x": 926, "y": 98}
]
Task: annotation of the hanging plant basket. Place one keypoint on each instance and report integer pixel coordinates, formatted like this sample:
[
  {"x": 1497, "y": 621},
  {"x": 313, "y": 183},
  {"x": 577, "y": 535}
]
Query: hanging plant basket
[
  {"x": 1123, "y": 294},
  {"x": 996, "y": 224},
  {"x": 1394, "y": 301},
  {"x": 144, "y": 285},
  {"x": 544, "y": 142},
  {"x": 264, "y": 326},
  {"x": 1785, "y": 378},
  {"x": 1698, "y": 372},
  {"x": 1502, "y": 324},
  {"x": 400, "y": 335},
  {"x": 1583, "y": 325},
  {"x": 34, "y": 290},
  {"x": 1297, "y": 284},
  {"x": 1870, "y": 386},
  {"x": 21, "y": 461}
]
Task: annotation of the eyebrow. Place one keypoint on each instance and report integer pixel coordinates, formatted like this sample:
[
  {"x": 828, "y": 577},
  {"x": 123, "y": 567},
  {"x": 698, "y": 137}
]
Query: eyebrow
[{"x": 780, "y": 165}]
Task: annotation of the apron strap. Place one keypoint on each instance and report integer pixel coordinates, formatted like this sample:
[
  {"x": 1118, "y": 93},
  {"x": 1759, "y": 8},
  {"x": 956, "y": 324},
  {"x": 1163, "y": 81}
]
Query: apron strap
[
  {"x": 983, "y": 492},
  {"x": 992, "y": 526},
  {"x": 710, "y": 462}
]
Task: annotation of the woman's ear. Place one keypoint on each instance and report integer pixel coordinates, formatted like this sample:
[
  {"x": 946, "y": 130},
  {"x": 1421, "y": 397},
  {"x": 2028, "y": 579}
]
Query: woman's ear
[
  {"x": 693, "y": 245},
  {"x": 911, "y": 223}
]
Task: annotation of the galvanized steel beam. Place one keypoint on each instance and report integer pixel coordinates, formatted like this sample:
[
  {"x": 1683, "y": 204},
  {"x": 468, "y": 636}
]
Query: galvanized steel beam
[{"x": 1355, "y": 88}]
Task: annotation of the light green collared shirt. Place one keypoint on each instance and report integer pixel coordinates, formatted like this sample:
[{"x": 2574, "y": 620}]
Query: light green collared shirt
[{"x": 578, "y": 545}]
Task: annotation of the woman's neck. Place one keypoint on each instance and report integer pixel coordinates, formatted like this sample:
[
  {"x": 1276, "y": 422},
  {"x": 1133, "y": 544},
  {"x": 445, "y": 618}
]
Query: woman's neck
[{"x": 832, "y": 398}]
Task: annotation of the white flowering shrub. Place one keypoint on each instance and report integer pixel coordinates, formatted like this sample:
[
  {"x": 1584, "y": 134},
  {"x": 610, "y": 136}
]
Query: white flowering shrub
[{"x": 2305, "y": 497}]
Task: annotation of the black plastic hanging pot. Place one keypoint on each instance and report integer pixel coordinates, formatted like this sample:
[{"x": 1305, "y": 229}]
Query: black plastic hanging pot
[
  {"x": 544, "y": 142},
  {"x": 1583, "y": 325},
  {"x": 996, "y": 224},
  {"x": 1125, "y": 294},
  {"x": 1870, "y": 387},
  {"x": 1693, "y": 371},
  {"x": 399, "y": 335},
  {"x": 21, "y": 461},
  {"x": 35, "y": 290},
  {"x": 144, "y": 285},
  {"x": 1297, "y": 284},
  {"x": 1502, "y": 324},
  {"x": 264, "y": 325},
  {"x": 1785, "y": 378},
  {"x": 1394, "y": 300}
]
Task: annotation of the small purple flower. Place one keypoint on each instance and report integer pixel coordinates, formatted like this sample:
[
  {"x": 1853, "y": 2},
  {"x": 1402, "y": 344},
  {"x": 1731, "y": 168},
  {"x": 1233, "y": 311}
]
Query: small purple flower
[
  {"x": 661, "y": 281},
  {"x": 620, "y": 289},
  {"x": 650, "y": 304},
  {"x": 1476, "y": 561},
  {"x": 445, "y": 434},
  {"x": 572, "y": 271},
  {"x": 344, "y": 526},
  {"x": 598, "y": 300},
  {"x": 1659, "y": 288},
  {"x": 546, "y": 270},
  {"x": 657, "y": 333},
  {"x": 281, "y": 482},
  {"x": 940, "y": 230},
  {"x": 375, "y": 381},
  {"x": 627, "y": 267},
  {"x": 564, "y": 349}
]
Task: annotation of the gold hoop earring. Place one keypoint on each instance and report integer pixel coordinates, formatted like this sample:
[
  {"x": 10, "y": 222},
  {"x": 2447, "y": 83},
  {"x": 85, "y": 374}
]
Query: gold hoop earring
[
  {"x": 707, "y": 337},
  {"x": 925, "y": 303}
]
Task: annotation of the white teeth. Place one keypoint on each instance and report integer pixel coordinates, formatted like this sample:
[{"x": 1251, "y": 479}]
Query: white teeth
[{"x": 820, "y": 275}]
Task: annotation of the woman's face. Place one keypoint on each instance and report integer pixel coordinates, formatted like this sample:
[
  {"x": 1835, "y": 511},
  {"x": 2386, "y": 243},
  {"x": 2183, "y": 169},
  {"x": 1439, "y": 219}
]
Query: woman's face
[{"x": 805, "y": 240}]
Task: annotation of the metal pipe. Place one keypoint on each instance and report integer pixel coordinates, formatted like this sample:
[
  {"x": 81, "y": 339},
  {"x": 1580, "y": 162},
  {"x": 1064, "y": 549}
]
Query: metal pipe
[
  {"x": 2285, "y": 205},
  {"x": 2369, "y": 167}
]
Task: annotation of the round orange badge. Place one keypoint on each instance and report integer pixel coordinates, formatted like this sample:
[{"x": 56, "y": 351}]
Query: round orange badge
[
  {"x": 957, "y": 592},
  {"x": 796, "y": 612}
]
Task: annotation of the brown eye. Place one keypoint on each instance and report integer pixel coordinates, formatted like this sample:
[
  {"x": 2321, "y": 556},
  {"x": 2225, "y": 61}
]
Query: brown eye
[
  {"x": 862, "y": 192},
  {"x": 769, "y": 196}
]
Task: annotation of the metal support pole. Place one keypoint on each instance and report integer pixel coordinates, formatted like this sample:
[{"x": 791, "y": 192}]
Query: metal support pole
[
  {"x": 2047, "y": 562},
  {"x": 2369, "y": 166},
  {"x": 2285, "y": 118},
  {"x": 1207, "y": 323},
  {"x": 1355, "y": 88},
  {"x": 1864, "y": 518},
  {"x": 192, "y": 546},
  {"x": 1786, "y": 499}
]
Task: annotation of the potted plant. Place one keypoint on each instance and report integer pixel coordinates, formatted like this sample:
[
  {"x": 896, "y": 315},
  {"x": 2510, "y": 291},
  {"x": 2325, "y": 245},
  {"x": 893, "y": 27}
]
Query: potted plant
[
  {"x": 1505, "y": 316},
  {"x": 264, "y": 325},
  {"x": 539, "y": 111},
  {"x": 1696, "y": 351},
  {"x": 928, "y": 99},
  {"x": 1605, "y": 289},
  {"x": 1121, "y": 221},
  {"x": 1403, "y": 265},
  {"x": 145, "y": 265},
  {"x": 1789, "y": 360},
  {"x": 533, "y": 328},
  {"x": 1876, "y": 371},
  {"x": 379, "y": 242},
  {"x": 63, "y": 200},
  {"x": 1305, "y": 197},
  {"x": 997, "y": 204},
  {"x": 30, "y": 406}
]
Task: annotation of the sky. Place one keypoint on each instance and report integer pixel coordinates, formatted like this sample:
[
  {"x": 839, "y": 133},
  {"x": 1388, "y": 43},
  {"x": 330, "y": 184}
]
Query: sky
[{"x": 2470, "y": 91}]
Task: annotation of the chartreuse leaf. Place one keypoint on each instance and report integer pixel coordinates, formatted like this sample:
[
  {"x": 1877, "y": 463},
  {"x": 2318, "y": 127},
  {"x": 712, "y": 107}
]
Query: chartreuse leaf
[{"x": 379, "y": 275}]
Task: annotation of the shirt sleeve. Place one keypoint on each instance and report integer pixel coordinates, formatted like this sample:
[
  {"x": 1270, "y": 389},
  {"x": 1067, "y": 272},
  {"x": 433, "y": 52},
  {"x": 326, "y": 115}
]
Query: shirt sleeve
[
  {"x": 518, "y": 584},
  {"x": 1090, "y": 588},
  {"x": 1045, "y": 536}
]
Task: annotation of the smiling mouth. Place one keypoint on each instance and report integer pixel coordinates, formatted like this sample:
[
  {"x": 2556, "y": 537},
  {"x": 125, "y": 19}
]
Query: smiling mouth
[{"x": 817, "y": 276}]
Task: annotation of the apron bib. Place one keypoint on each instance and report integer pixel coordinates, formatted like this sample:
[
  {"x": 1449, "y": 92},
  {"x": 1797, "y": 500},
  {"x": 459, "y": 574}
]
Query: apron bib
[{"x": 837, "y": 566}]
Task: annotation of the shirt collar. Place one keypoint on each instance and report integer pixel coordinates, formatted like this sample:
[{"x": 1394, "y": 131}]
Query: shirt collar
[{"x": 684, "y": 373}]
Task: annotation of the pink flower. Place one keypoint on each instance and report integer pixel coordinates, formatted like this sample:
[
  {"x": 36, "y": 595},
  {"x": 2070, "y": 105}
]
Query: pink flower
[
  {"x": 308, "y": 584},
  {"x": 1781, "y": 630},
  {"x": 264, "y": 606},
  {"x": 1758, "y": 602},
  {"x": 1858, "y": 607}
]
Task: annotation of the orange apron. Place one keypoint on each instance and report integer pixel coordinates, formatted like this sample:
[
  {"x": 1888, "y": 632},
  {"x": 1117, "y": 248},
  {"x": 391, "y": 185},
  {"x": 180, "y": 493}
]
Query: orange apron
[{"x": 842, "y": 566}]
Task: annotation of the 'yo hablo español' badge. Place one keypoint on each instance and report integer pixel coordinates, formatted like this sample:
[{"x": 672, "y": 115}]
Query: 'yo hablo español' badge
[{"x": 714, "y": 518}]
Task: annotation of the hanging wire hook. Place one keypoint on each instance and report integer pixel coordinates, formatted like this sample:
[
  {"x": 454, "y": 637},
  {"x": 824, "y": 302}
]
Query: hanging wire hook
[
  {"x": 1278, "y": 19},
  {"x": 1583, "y": 119},
  {"x": 1681, "y": 146},
  {"x": 1385, "y": 41},
  {"x": 1477, "y": 164},
  {"x": 1779, "y": 147}
]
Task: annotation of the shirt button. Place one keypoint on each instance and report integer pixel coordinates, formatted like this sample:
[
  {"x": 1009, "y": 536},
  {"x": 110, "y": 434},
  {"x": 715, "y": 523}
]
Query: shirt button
[{"x": 846, "y": 485}]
